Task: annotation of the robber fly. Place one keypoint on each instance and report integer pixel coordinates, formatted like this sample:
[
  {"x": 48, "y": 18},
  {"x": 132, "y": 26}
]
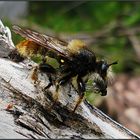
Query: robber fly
[{"x": 75, "y": 59}]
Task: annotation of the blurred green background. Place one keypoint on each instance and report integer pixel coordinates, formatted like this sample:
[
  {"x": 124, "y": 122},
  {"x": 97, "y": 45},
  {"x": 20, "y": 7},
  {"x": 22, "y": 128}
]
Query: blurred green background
[
  {"x": 91, "y": 17},
  {"x": 110, "y": 28},
  {"x": 104, "y": 22}
]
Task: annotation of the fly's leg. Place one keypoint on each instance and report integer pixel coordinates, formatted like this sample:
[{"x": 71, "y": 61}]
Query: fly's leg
[
  {"x": 45, "y": 68},
  {"x": 81, "y": 90},
  {"x": 60, "y": 82},
  {"x": 49, "y": 70},
  {"x": 34, "y": 75},
  {"x": 15, "y": 56}
]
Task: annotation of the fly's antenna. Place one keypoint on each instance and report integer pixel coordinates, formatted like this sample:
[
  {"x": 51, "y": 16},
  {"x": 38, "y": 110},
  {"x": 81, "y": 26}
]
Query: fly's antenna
[{"x": 114, "y": 63}]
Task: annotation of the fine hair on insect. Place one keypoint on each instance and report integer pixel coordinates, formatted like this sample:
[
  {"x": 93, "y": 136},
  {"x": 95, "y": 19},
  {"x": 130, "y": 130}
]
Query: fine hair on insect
[{"x": 74, "y": 57}]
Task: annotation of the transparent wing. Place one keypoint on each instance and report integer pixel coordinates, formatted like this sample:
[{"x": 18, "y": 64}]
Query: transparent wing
[{"x": 53, "y": 44}]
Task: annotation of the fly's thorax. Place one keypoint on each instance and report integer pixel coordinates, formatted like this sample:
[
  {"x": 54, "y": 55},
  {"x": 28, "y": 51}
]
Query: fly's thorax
[
  {"x": 82, "y": 62},
  {"x": 89, "y": 60}
]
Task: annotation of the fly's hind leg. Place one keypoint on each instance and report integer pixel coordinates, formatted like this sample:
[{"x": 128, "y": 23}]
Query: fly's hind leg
[
  {"x": 49, "y": 70},
  {"x": 34, "y": 75},
  {"x": 15, "y": 56},
  {"x": 45, "y": 68},
  {"x": 81, "y": 90},
  {"x": 60, "y": 82}
]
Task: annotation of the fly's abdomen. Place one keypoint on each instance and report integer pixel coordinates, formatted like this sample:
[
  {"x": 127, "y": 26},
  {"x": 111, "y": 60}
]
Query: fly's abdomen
[{"x": 29, "y": 48}]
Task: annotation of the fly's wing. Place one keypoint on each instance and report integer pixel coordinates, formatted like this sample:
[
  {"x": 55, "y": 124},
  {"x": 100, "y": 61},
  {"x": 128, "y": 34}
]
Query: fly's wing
[{"x": 56, "y": 46}]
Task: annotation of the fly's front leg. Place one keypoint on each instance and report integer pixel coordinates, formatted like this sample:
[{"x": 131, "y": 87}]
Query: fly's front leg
[{"x": 81, "y": 90}]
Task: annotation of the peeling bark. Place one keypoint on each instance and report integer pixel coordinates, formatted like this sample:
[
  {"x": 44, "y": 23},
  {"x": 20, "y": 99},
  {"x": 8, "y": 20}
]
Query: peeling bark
[{"x": 25, "y": 108}]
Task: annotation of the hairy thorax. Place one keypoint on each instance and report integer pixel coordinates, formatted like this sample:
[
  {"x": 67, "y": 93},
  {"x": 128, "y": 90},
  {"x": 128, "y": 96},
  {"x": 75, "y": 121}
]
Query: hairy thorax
[{"x": 83, "y": 62}]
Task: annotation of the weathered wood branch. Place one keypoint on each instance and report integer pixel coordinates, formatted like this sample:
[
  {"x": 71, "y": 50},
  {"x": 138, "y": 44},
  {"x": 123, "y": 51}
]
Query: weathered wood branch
[{"x": 25, "y": 108}]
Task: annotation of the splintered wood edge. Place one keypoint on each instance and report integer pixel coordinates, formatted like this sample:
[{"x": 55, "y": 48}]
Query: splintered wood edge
[{"x": 17, "y": 76}]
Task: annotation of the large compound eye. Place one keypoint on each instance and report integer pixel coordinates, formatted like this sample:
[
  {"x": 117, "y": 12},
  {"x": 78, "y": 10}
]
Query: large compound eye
[{"x": 104, "y": 67}]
